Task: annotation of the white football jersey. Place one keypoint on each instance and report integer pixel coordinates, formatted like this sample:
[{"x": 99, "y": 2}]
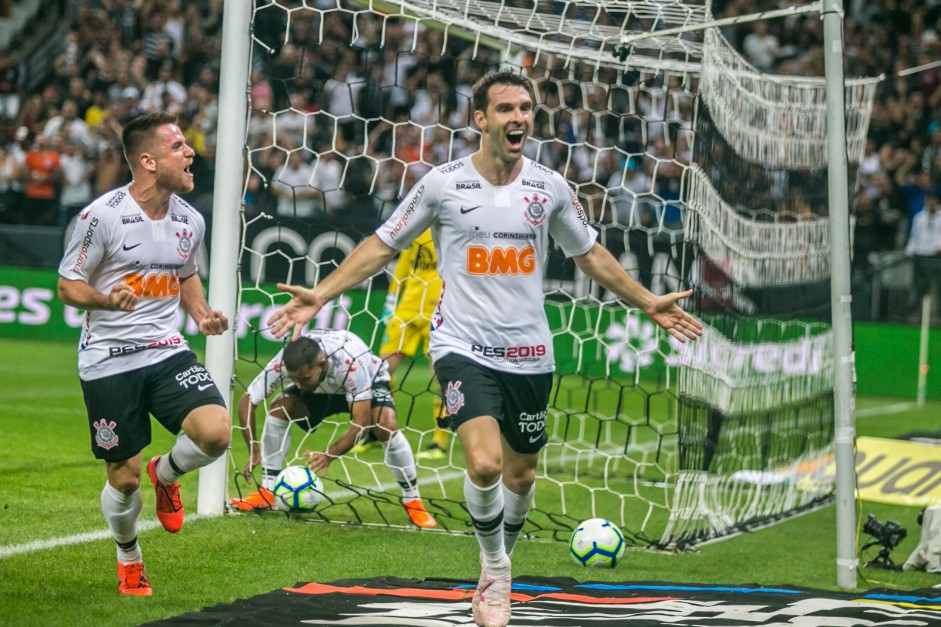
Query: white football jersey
[
  {"x": 351, "y": 369},
  {"x": 115, "y": 242},
  {"x": 492, "y": 243}
]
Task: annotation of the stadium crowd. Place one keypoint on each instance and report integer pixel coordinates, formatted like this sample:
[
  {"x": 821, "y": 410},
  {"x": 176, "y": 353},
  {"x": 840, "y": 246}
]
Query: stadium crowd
[{"x": 59, "y": 144}]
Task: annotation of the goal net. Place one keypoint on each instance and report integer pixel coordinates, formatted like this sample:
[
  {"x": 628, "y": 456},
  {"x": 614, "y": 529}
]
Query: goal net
[{"x": 696, "y": 170}]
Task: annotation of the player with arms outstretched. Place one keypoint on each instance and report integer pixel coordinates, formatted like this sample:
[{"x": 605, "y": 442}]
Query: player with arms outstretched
[
  {"x": 323, "y": 373},
  {"x": 491, "y": 215},
  {"x": 131, "y": 264}
]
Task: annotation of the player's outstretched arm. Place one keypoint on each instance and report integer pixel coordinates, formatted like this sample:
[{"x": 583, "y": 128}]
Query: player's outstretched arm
[
  {"x": 366, "y": 260},
  {"x": 600, "y": 265},
  {"x": 359, "y": 422}
]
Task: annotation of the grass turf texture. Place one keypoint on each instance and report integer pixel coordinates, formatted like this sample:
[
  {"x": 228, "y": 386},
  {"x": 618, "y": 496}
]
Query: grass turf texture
[{"x": 50, "y": 486}]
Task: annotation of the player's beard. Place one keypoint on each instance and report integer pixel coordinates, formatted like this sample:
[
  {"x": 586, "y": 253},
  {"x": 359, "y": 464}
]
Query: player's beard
[{"x": 176, "y": 181}]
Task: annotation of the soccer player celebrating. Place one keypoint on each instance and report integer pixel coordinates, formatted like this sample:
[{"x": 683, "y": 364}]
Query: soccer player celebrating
[
  {"x": 491, "y": 215},
  {"x": 331, "y": 372},
  {"x": 130, "y": 264}
]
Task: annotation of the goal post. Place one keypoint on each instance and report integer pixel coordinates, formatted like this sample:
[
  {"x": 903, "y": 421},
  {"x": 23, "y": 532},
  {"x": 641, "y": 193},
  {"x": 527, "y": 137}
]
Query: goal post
[
  {"x": 226, "y": 229},
  {"x": 696, "y": 169},
  {"x": 847, "y": 559}
]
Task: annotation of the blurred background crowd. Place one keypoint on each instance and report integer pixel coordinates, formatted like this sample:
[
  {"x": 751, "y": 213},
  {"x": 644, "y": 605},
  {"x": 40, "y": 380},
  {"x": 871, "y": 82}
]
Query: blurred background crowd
[{"x": 103, "y": 62}]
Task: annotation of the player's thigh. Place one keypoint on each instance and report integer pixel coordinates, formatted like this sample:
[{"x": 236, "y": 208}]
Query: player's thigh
[
  {"x": 118, "y": 420},
  {"x": 526, "y": 404},
  {"x": 179, "y": 385},
  {"x": 468, "y": 390},
  {"x": 382, "y": 409}
]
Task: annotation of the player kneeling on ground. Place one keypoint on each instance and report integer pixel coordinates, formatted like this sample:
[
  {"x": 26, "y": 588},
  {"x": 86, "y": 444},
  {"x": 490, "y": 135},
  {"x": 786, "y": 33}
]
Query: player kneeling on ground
[{"x": 330, "y": 372}]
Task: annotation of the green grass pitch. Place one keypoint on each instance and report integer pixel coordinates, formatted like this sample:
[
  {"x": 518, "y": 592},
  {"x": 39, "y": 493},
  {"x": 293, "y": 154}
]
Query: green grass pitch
[{"x": 57, "y": 560}]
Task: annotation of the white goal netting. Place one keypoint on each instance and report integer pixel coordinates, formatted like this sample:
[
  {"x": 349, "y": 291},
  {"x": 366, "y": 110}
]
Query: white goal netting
[{"x": 696, "y": 170}]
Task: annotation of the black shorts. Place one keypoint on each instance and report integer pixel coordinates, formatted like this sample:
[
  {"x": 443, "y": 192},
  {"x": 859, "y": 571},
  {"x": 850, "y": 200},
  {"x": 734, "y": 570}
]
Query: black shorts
[
  {"x": 321, "y": 406},
  {"x": 119, "y": 406},
  {"x": 518, "y": 401}
]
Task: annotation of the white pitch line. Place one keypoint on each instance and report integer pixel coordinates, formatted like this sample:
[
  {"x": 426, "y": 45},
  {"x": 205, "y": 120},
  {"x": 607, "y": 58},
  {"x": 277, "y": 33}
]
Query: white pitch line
[
  {"x": 886, "y": 409},
  {"x": 91, "y": 536}
]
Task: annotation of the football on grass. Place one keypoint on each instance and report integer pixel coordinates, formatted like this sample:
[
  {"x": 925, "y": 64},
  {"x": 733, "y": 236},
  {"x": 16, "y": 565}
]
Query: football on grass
[
  {"x": 597, "y": 542},
  {"x": 297, "y": 489}
]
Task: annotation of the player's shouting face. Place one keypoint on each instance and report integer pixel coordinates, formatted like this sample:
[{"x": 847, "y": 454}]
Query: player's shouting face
[
  {"x": 173, "y": 158},
  {"x": 506, "y": 122}
]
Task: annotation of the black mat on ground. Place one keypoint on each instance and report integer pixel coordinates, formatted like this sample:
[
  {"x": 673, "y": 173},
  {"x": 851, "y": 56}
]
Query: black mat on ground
[{"x": 559, "y": 602}]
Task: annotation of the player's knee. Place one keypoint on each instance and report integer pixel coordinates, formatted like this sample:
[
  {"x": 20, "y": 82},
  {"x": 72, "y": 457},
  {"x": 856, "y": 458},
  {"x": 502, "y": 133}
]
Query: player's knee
[
  {"x": 217, "y": 441},
  {"x": 126, "y": 485},
  {"x": 520, "y": 483},
  {"x": 484, "y": 469},
  {"x": 213, "y": 432}
]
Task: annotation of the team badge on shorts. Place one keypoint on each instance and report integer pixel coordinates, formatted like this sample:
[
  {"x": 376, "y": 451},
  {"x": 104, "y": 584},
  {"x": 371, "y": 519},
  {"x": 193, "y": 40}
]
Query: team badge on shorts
[
  {"x": 105, "y": 437},
  {"x": 453, "y": 397},
  {"x": 535, "y": 212}
]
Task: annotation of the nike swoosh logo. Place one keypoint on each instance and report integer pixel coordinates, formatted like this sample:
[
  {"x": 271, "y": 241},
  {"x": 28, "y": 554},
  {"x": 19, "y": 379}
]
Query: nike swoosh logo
[
  {"x": 535, "y": 438},
  {"x": 203, "y": 387},
  {"x": 463, "y": 210},
  {"x": 126, "y": 247}
]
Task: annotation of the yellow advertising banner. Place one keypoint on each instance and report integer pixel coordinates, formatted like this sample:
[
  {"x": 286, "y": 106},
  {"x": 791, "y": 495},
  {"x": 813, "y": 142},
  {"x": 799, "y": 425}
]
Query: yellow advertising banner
[{"x": 898, "y": 472}]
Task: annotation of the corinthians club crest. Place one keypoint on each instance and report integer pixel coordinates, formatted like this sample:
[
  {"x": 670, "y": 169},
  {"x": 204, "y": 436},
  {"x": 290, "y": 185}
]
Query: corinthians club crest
[
  {"x": 185, "y": 245},
  {"x": 535, "y": 212},
  {"x": 105, "y": 436},
  {"x": 453, "y": 397}
]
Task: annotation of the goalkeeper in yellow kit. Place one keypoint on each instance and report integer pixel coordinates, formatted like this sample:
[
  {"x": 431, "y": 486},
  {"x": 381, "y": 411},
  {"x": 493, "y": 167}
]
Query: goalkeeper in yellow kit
[{"x": 413, "y": 295}]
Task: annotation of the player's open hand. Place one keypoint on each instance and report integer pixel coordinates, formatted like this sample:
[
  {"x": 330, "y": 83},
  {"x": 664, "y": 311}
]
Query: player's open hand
[
  {"x": 665, "y": 311},
  {"x": 303, "y": 306},
  {"x": 253, "y": 460},
  {"x": 318, "y": 462},
  {"x": 214, "y": 323},
  {"x": 122, "y": 297}
]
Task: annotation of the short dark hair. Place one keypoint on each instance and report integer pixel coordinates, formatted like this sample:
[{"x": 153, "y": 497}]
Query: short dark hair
[
  {"x": 303, "y": 351},
  {"x": 138, "y": 133},
  {"x": 481, "y": 88}
]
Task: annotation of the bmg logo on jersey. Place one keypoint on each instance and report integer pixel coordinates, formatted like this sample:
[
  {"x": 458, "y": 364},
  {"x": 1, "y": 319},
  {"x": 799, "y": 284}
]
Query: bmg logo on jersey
[
  {"x": 197, "y": 376},
  {"x": 155, "y": 285},
  {"x": 500, "y": 261}
]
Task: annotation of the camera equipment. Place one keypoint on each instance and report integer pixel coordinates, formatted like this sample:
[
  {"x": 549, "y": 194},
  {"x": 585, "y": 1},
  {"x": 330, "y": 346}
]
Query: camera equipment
[{"x": 888, "y": 535}]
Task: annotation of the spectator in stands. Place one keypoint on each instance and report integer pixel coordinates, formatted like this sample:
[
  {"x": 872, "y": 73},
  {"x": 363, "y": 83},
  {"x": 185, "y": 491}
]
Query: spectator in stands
[
  {"x": 9, "y": 88},
  {"x": 761, "y": 47},
  {"x": 77, "y": 174},
  {"x": 68, "y": 125},
  {"x": 43, "y": 172},
  {"x": 99, "y": 109},
  {"x": 33, "y": 115},
  {"x": 914, "y": 184},
  {"x": 291, "y": 184},
  {"x": 156, "y": 43},
  {"x": 9, "y": 180},
  {"x": 924, "y": 245},
  {"x": 165, "y": 94}
]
